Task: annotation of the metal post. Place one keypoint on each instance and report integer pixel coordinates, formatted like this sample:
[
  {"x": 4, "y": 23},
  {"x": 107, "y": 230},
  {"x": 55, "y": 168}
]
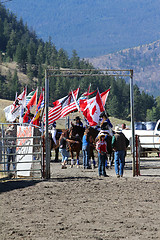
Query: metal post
[
  {"x": 137, "y": 154},
  {"x": 3, "y": 149},
  {"x": 68, "y": 122},
  {"x": 132, "y": 121},
  {"x": 46, "y": 126}
]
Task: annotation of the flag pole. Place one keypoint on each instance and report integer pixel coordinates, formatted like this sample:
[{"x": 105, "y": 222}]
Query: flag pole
[{"x": 75, "y": 101}]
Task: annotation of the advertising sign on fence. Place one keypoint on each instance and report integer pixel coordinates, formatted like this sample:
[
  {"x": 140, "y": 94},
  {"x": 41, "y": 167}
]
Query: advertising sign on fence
[{"x": 24, "y": 150}]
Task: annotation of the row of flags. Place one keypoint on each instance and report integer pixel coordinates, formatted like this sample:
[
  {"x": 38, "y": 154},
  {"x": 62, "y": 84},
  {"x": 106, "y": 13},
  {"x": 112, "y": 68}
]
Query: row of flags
[
  {"x": 90, "y": 108},
  {"x": 25, "y": 102}
]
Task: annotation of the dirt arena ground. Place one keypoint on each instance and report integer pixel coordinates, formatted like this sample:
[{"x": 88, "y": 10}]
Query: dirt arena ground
[{"x": 76, "y": 204}]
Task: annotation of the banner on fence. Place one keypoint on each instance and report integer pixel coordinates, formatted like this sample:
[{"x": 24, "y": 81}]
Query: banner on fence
[{"x": 24, "y": 150}]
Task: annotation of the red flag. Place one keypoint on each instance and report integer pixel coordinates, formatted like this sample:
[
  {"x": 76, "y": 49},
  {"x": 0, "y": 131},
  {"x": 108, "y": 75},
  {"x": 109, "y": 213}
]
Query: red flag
[
  {"x": 26, "y": 116},
  {"x": 33, "y": 100},
  {"x": 62, "y": 107},
  {"x": 92, "y": 108},
  {"x": 104, "y": 96}
]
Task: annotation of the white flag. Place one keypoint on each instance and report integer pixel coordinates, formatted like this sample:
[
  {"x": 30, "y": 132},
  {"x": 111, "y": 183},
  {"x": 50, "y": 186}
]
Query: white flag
[{"x": 14, "y": 110}]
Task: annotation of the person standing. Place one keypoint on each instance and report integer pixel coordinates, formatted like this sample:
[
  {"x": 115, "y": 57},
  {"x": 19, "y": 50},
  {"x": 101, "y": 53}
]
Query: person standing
[
  {"x": 91, "y": 152},
  {"x": 53, "y": 132},
  {"x": 62, "y": 148},
  {"x": 119, "y": 147},
  {"x": 0, "y": 145},
  {"x": 11, "y": 134},
  {"x": 85, "y": 149},
  {"x": 101, "y": 147}
]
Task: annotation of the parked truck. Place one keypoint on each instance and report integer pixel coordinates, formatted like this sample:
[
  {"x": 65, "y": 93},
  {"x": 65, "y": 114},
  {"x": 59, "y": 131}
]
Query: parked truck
[{"x": 149, "y": 138}]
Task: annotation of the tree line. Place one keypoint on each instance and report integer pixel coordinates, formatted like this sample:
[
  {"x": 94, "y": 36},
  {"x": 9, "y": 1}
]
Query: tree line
[{"x": 20, "y": 44}]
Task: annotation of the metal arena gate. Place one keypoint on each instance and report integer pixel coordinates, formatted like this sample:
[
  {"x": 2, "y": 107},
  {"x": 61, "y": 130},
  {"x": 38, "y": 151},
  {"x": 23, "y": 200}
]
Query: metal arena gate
[
  {"x": 21, "y": 155},
  {"x": 71, "y": 73}
]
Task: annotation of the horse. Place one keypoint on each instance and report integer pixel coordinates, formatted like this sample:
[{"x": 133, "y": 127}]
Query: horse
[
  {"x": 75, "y": 133},
  {"x": 92, "y": 134}
]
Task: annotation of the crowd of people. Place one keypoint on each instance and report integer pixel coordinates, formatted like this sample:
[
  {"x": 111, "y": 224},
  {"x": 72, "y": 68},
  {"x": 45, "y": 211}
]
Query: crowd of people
[{"x": 118, "y": 143}]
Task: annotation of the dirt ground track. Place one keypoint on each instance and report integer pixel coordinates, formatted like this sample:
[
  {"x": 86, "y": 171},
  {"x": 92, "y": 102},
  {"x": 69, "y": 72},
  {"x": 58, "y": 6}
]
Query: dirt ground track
[{"x": 76, "y": 204}]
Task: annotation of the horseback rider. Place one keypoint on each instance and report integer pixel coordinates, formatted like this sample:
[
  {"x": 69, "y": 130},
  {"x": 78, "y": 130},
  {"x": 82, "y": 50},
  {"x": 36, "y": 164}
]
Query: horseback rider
[
  {"x": 78, "y": 122},
  {"x": 106, "y": 125}
]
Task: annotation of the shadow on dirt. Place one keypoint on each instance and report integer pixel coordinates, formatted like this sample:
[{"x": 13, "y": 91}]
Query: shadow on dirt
[
  {"x": 71, "y": 179},
  {"x": 12, "y": 185},
  {"x": 150, "y": 176}
]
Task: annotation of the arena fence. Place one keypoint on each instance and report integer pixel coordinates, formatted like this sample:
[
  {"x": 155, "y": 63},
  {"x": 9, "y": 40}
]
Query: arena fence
[
  {"x": 147, "y": 158},
  {"x": 21, "y": 156}
]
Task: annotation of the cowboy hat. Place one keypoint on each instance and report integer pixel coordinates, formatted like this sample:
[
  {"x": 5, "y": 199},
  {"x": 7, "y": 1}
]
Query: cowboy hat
[
  {"x": 117, "y": 129},
  {"x": 77, "y": 118},
  {"x": 101, "y": 135}
]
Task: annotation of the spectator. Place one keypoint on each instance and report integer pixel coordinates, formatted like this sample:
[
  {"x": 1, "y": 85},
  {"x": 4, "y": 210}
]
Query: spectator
[
  {"x": 0, "y": 145},
  {"x": 119, "y": 146},
  {"x": 101, "y": 147},
  {"x": 123, "y": 126},
  {"x": 91, "y": 151},
  {"x": 11, "y": 134},
  {"x": 85, "y": 150}
]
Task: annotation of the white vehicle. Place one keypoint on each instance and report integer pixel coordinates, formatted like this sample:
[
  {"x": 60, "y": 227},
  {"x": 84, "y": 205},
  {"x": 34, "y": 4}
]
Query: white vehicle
[{"x": 149, "y": 138}]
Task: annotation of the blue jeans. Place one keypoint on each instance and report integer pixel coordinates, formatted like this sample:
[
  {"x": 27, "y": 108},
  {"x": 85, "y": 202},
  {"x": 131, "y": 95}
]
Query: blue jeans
[
  {"x": 11, "y": 156},
  {"x": 119, "y": 157},
  {"x": 101, "y": 164},
  {"x": 64, "y": 154},
  {"x": 85, "y": 150}
]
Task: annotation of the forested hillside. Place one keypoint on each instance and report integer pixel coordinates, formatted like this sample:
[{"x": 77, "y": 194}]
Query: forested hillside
[
  {"x": 33, "y": 56},
  {"x": 144, "y": 60},
  {"x": 92, "y": 27}
]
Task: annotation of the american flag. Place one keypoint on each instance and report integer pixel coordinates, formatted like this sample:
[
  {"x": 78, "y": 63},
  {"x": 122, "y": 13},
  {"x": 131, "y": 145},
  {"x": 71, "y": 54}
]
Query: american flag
[{"x": 62, "y": 107}]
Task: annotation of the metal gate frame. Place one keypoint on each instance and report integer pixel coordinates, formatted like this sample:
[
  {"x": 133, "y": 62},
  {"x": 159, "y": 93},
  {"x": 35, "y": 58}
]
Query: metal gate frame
[
  {"x": 62, "y": 72},
  {"x": 37, "y": 155}
]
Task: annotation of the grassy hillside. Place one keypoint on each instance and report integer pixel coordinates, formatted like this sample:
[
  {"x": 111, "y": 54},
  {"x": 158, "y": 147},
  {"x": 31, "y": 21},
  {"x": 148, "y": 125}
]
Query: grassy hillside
[
  {"x": 11, "y": 66},
  {"x": 3, "y": 104}
]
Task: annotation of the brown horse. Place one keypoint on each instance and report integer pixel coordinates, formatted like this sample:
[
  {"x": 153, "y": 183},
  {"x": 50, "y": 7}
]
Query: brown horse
[
  {"x": 75, "y": 133},
  {"x": 92, "y": 133}
]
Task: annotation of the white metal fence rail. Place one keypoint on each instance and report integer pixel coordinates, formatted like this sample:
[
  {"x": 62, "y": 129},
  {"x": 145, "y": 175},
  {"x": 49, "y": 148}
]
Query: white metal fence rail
[{"x": 24, "y": 157}]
